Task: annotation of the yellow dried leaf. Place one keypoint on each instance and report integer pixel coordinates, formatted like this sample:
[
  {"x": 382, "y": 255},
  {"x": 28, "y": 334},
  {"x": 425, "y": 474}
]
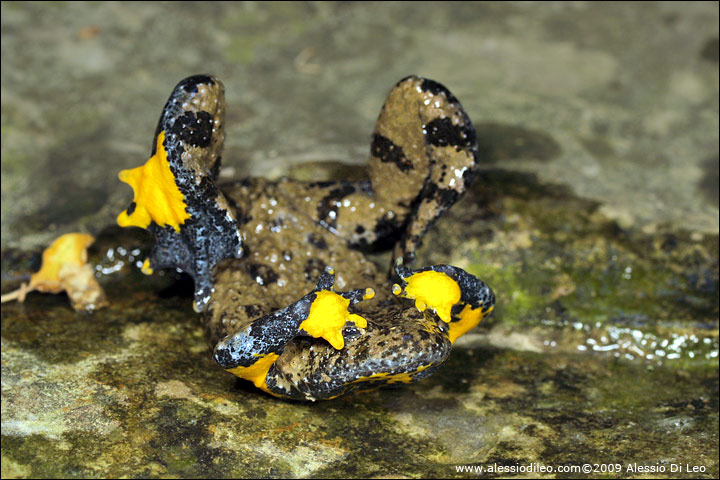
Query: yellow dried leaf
[
  {"x": 66, "y": 251},
  {"x": 65, "y": 268}
]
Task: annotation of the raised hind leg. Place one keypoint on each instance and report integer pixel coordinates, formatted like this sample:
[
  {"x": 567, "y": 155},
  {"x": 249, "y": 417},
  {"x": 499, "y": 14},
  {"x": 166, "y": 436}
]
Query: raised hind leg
[
  {"x": 176, "y": 198},
  {"x": 422, "y": 158}
]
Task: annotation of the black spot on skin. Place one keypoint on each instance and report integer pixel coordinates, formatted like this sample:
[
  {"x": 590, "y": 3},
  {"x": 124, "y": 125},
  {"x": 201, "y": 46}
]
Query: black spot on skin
[
  {"x": 388, "y": 152},
  {"x": 194, "y": 130},
  {"x": 469, "y": 174},
  {"x": 387, "y": 232},
  {"x": 131, "y": 208},
  {"x": 253, "y": 311},
  {"x": 445, "y": 196},
  {"x": 360, "y": 243},
  {"x": 327, "y": 204},
  {"x": 314, "y": 268},
  {"x": 359, "y": 229},
  {"x": 441, "y": 132},
  {"x": 436, "y": 88},
  {"x": 318, "y": 241},
  {"x": 262, "y": 274},
  {"x": 321, "y": 184},
  {"x": 190, "y": 84},
  {"x": 174, "y": 106}
]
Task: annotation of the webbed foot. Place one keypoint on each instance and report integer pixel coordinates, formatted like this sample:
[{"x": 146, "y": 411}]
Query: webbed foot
[
  {"x": 329, "y": 310},
  {"x": 322, "y": 313},
  {"x": 458, "y": 298}
]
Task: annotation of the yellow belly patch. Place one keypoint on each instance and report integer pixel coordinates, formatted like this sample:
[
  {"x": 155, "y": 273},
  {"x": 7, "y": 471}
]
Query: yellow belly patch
[
  {"x": 327, "y": 317},
  {"x": 469, "y": 318},
  {"x": 157, "y": 197},
  {"x": 257, "y": 372},
  {"x": 431, "y": 289},
  {"x": 389, "y": 378}
]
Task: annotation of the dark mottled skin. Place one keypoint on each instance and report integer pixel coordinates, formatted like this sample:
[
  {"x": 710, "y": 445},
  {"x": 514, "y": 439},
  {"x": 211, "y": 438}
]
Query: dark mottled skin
[
  {"x": 193, "y": 122},
  {"x": 272, "y": 241}
]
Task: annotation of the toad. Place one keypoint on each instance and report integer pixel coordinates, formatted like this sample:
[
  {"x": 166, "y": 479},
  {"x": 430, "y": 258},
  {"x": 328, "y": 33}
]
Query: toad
[{"x": 281, "y": 280}]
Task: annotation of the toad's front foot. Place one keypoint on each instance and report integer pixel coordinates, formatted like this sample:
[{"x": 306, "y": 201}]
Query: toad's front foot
[
  {"x": 322, "y": 313},
  {"x": 316, "y": 349},
  {"x": 458, "y": 298}
]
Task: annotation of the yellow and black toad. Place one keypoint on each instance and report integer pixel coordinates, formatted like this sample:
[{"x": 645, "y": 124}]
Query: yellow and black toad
[{"x": 266, "y": 257}]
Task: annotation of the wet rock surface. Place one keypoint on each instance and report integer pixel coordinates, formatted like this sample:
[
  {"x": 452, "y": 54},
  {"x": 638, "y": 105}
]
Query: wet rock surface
[{"x": 595, "y": 222}]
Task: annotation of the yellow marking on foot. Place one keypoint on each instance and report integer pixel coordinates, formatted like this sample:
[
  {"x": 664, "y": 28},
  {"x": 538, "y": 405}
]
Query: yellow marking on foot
[
  {"x": 469, "y": 318},
  {"x": 146, "y": 268},
  {"x": 431, "y": 289},
  {"x": 157, "y": 197},
  {"x": 257, "y": 372},
  {"x": 327, "y": 317}
]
